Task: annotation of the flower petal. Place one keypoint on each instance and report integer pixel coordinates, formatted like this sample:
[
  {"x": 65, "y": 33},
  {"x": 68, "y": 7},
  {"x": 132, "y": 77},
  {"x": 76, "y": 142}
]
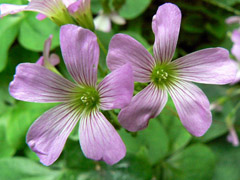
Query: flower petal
[
  {"x": 192, "y": 106},
  {"x": 6, "y": 9},
  {"x": 99, "y": 140},
  {"x": 236, "y": 51},
  {"x": 68, "y": 2},
  {"x": 80, "y": 51},
  {"x": 124, "y": 49},
  {"x": 35, "y": 83},
  {"x": 236, "y": 36},
  {"x": 117, "y": 19},
  {"x": 210, "y": 66},
  {"x": 147, "y": 104},
  {"x": 41, "y": 17},
  {"x": 166, "y": 26},
  {"x": 233, "y": 19},
  {"x": 116, "y": 89},
  {"x": 48, "y": 134},
  {"x": 102, "y": 23}
]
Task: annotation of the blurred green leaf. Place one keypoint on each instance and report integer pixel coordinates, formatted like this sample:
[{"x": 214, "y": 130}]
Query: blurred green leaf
[
  {"x": 9, "y": 27},
  {"x": 195, "y": 162},
  {"x": 23, "y": 169},
  {"x": 228, "y": 160},
  {"x": 33, "y": 33},
  {"x": 154, "y": 138},
  {"x": 96, "y": 6},
  {"x": 133, "y": 8},
  {"x": 22, "y": 116}
]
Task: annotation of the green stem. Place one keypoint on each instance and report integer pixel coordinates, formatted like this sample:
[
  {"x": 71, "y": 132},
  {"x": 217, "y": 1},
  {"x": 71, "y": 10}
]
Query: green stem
[{"x": 102, "y": 46}]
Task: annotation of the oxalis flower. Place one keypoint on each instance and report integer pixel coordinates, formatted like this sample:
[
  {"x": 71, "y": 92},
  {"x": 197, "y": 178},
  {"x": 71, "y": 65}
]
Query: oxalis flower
[
  {"x": 210, "y": 66},
  {"x": 80, "y": 100},
  {"x": 59, "y": 11}
]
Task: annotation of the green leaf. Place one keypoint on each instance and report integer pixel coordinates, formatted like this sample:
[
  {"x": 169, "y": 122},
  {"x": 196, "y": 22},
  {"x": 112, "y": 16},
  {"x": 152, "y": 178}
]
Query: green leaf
[
  {"x": 5, "y": 149},
  {"x": 154, "y": 138},
  {"x": 96, "y": 6},
  {"x": 179, "y": 137},
  {"x": 9, "y": 27},
  {"x": 195, "y": 162},
  {"x": 33, "y": 33},
  {"x": 18, "y": 168},
  {"x": 133, "y": 8},
  {"x": 228, "y": 160},
  {"x": 22, "y": 116}
]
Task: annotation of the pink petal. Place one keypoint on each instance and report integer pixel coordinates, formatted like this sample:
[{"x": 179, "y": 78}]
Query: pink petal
[
  {"x": 54, "y": 59},
  {"x": 166, "y": 26},
  {"x": 210, "y": 66},
  {"x": 233, "y": 137},
  {"x": 79, "y": 5},
  {"x": 116, "y": 89},
  {"x": 147, "y": 104},
  {"x": 48, "y": 134},
  {"x": 41, "y": 17},
  {"x": 69, "y": 2},
  {"x": 236, "y": 51},
  {"x": 237, "y": 78},
  {"x": 236, "y": 36},
  {"x": 35, "y": 83},
  {"x": 46, "y": 7},
  {"x": 233, "y": 19},
  {"x": 6, "y": 9},
  {"x": 192, "y": 106},
  {"x": 99, "y": 140},
  {"x": 40, "y": 61},
  {"x": 80, "y": 51},
  {"x": 124, "y": 49}
]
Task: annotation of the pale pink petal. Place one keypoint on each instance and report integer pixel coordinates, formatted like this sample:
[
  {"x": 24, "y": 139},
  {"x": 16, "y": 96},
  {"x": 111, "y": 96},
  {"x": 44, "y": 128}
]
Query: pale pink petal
[
  {"x": 117, "y": 19},
  {"x": 237, "y": 78},
  {"x": 236, "y": 51},
  {"x": 79, "y": 5},
  {"x": 40, "y": 61},
  {"x": 6, "y": 9},
  {"x": 166, "y": 26},
  {"x": 54, "y": 59},
  {"x": 99, "y": 140},
  {"x": 46, "y": 7},
  {"x": 233, "y": 19},
  {"x": 147, "y": 104},
  {"x": 69, "y": 2},
  {"x": 116, "y": 89},
  {"x": 233, "y": 137},
  {"x": 210, "y": 66},
  {"x": 236, "y": 36},
  {"x": 34, "y": 83},
  {"x": 48, "y": 134},
  {"x": 80, "y": 52},
  {"x": 124, "y": 49},
  {"x": 192, "y": 106},
  {"x": 102, "y": 23},
  {"x": 41, "y": 17}
]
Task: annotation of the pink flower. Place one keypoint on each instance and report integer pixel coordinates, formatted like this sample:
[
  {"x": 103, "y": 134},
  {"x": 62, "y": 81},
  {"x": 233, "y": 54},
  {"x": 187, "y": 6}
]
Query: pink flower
[
  {"x": 209, "y": 66},
  {"x": 236, "y": 52},
  {"x": 59, "y": 11},
  {"x": 233, "y": 137},
  {"x": 80, "y": 100}
]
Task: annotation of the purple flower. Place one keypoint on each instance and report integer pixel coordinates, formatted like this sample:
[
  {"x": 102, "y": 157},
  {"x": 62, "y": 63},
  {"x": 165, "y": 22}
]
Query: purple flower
[
  {"x": 233, "y": 137},
  {"x": 210, "y": 66},
  {"x": 59, "y": 11},
  {"x": 80, "y": 100}
]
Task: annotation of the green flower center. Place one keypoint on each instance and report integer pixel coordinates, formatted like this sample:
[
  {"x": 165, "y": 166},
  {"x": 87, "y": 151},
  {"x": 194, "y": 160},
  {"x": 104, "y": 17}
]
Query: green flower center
[
  {"x": 163, "y": 74},
  {"x": 86, "y": 98}
]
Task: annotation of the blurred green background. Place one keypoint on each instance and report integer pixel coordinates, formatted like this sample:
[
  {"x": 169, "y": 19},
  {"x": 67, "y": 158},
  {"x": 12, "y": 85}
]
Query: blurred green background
[{"x": 164, "y": 150}]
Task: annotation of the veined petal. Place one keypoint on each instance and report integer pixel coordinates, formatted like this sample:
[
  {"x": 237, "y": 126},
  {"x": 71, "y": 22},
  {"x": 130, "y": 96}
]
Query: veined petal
[
  {"x": 124, "y": 49},
  {"x": 166, "y": 25},
  {"x": 147, "y": 104},
  {"x": 116, "y": 89},
  {"x": 68, "y": 2},
  {"x": 48, "y": 134},
  {"x": 102, "y": 23},
  {"x": 34, "y": 83},
  {"x": 192, "y": 106},
  {"x": 210, "y": 66},
  {"x": 99, "y": 140},
  {"x": 80, "y": 52},
  {"x": 6, "y": 9}
]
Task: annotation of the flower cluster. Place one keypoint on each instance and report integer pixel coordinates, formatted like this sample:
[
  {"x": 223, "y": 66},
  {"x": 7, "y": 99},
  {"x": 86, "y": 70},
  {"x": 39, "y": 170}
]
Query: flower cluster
[{"x": 83, "y": 99}]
